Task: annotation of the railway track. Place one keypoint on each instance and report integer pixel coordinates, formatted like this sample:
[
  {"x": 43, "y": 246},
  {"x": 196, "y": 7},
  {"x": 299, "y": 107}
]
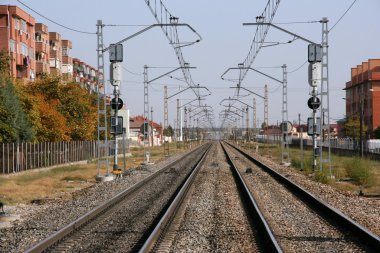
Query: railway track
[
  {"x": 298, "y": 219},
  {"x": 217, "y": 198},
  {"x": 121, "y": 222},
  {"x": 214, "y": 211}
]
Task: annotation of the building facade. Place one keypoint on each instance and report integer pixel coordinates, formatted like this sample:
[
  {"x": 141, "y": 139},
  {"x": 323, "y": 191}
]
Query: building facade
[
  {"x": 67, "y": 60},
  {"x": 136, "y": 127},
  {"x": 42, "y": 50},
  {"x": 55, "y": 57},
  {"x": 85, "y": 75},
  {"x": 363, "y": 94},
  {"x": 17, "y": 39},
  {"x": 35, "y": 52}
]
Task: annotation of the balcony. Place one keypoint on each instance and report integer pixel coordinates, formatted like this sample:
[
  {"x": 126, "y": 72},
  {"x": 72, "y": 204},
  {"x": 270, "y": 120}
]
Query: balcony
[
  {"x": 42, "y": 47},
  {"x": 67, "y": 60},
  {"x": 54, "y": 36},
  {"x": 42, "y": 67},
  {"x": 39, "y": 27}
]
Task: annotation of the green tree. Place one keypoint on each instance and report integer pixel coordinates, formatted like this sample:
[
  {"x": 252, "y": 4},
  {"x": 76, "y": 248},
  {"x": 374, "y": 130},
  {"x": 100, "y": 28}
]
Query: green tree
[
  {"x": 7, "y": 133},
  {"x": 19, "y": 126},
  {"x": 4, "y": 63},
  {"x": 169, "y": 132},
  {"x": 376, "y": 133},
  {"x": 352, "y": 127}
]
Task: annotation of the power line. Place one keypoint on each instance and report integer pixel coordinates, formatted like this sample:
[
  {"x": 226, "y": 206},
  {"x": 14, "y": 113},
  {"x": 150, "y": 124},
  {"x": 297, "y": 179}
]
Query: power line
[
  {"x": 66, "y": 27},
  {"x": 298, "y": 68},
  {"x": 133, "y": 73},
  {"x": 296, "y": 22},
  {"x": 128, "y": 25},
  {"x": 343, "y": 15}
]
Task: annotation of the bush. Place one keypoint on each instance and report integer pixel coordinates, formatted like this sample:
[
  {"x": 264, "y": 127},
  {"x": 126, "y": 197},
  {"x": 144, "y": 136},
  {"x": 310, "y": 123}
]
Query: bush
[
  {"x": 359, "y": 170},
  {"x": 321, "y": 176}
]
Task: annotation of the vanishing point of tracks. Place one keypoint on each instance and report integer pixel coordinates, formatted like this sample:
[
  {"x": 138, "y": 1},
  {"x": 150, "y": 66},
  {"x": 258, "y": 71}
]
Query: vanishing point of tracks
[{"x": 215, "y": 199}]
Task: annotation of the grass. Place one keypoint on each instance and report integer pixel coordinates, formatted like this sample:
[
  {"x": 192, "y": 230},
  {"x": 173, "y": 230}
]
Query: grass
[
  {"x": 62, "y": 181},
  {"x": 351, "y": 173}
]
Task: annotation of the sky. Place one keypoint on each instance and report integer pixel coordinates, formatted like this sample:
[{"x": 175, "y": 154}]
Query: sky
[{"x": 225, "y": 43}]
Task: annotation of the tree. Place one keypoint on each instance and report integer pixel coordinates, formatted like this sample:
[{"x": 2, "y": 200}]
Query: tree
[
  {"x": 352, "y": 127},
  {"x": 169, "y": 132},
  {"x": 19, "y": 126},
  {"x": 80, "y": 110},
  {"x": 4, "y": 64},
  {"x": 376, "y": 133}
]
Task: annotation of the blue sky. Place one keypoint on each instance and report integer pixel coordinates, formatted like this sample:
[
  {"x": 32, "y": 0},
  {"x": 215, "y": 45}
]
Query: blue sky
[{"x": 225, "y": 43}]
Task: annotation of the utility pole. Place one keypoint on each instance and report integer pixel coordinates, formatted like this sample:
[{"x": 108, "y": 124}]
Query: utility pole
[
  {"x": 299, "y": 123},
  {"x": 247, "y": 124},
  {"x": 151, "y": 121},
  {"x": 178, "y": 124},
  {"x": 166, "y": 121},
  {"x": 186, "y": 129},
  {"x": 325, "y": 99},
  {"x": 103, "y": 145},
  {"x": 284, "y": 125},
  {"x": 254, "y": 114},
  {"x": 266, "y": 108},
  {"x": 146, "y": 127}
]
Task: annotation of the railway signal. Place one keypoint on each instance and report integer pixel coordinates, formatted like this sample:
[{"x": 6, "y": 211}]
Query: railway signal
[
  {"x": 314, "y": 103},
  {"x": 315, "y": 80},
  {"x": 116, "y": 57}
]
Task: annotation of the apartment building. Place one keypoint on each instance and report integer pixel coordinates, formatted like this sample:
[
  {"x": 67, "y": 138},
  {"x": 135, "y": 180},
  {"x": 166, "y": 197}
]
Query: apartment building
[
  {"x": 42, "y": 50},
  {"x": 17, "y": 38},
  {"x": 55, "y": 58},
  {"x": 67, "y": 60},
  {"x": 36, "y": 52},
  {"x": 85, "y": 75},
  {"x": 363, "y": 93}
]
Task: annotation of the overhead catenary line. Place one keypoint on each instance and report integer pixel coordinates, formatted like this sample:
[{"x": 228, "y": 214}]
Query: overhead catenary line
[
  {"x": 296, "y": 22},
  {"x": 341, "y": 17},
  {"x": 66, "y": 27},
  {"x": 131, "y": 72},
  {"x": 303, "y": 64},
  {"x": 162, "y": 16}
]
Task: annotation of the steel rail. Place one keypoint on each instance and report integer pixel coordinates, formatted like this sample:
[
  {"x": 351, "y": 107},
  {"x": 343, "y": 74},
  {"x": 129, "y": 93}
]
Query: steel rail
[
  {"x": 94, "y": 213},
  {"x": 161, "y": 226},
  {"x": 268, "y": 240},
  {"x": 366, "y": 237}
]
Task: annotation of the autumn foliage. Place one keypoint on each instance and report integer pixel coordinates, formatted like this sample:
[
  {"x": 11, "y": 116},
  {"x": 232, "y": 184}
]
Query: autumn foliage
[{"x": 53, "y": 111}]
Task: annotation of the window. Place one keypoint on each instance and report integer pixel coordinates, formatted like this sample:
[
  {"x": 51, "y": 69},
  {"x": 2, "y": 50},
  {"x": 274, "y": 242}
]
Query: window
[
  {"x": 65, "y": 51},
  {"x": 17, "y": 24},
  {"x": 31, "y": 53},
  {"x": 23, "y": 25},
  {"x": 38, "y": 37},
  {"x": 24, "y": 49},
  {"x": 12, "y": 46},
  {"x": 31, "y": 74}
]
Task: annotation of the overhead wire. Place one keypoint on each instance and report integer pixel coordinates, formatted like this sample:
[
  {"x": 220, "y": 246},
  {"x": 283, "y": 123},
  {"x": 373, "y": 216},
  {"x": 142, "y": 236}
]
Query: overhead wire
[
  {"x": 290, "y": 72},
  {"x": 66, "y": 27},
  {"x": 296, "y": 22},
  {"x": 133, "y": 73},
  {"x": 337, "y": 22},
  {"x": 348, "y": 9}
]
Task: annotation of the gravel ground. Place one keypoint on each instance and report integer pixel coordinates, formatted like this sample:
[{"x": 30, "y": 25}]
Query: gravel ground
[
  {"x": 365, "y": 211},
  {"x": 214, "y": 219},
  {"x": 297, "y": 227},
  {"x": 221, "y": 226},
  {"x": 39, "y": 221}
]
